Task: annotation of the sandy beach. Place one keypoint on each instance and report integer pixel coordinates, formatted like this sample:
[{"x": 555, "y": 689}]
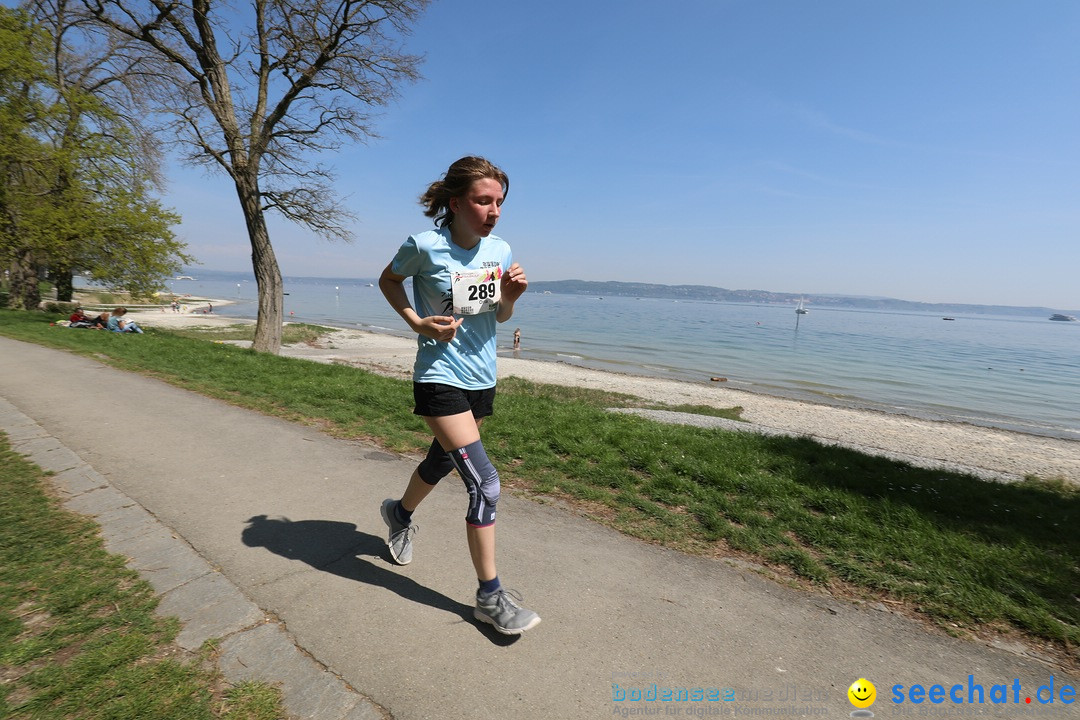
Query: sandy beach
[{"x": 990, "y": 453}]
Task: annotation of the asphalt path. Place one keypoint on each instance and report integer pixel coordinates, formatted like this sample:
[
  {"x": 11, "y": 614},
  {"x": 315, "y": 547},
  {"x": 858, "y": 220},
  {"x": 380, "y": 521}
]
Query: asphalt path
[{"x": 285, "y": 521}]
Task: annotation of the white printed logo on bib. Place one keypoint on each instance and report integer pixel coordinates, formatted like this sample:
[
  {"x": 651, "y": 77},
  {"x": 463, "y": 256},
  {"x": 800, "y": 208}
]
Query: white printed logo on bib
[{"x": 476, "y": 291}]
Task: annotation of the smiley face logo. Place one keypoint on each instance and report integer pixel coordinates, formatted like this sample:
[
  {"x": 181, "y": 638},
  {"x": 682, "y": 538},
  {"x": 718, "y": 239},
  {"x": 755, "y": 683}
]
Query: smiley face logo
[{"x": 862, "y": 693}]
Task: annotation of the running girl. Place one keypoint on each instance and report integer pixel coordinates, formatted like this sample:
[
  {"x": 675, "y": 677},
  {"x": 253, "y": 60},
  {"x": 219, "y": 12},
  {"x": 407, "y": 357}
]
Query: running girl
[{"x": 464, "y": 282}]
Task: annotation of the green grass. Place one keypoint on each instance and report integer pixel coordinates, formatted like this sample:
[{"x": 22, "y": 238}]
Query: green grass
[
  {"x": 732, "y": 413},
  {"x": 292, "y": 333},
  {"x": 963, "y": 552},
  {"x": 78, "y": 633}
]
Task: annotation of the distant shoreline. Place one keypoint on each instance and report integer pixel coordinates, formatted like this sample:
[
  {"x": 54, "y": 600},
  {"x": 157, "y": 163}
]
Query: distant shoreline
[
  {"x": 707, "y": 293},
  {"x": 710, "y": 293}
]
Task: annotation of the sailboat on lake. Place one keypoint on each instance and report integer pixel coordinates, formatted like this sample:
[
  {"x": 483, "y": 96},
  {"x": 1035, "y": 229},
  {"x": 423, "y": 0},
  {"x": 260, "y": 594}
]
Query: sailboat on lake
[{"x": 800, "y": 310}]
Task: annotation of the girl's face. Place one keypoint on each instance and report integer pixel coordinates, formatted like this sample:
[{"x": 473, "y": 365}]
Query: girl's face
[{"x": 477, "y": 211}]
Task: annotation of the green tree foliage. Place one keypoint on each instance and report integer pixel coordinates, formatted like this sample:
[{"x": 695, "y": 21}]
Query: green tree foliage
[
  {"x": 77, "y": 191},
  {"x": 23, "y": 74}
]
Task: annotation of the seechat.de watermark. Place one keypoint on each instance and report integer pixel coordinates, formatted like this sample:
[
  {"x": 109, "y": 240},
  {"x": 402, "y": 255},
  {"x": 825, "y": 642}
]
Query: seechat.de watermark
[
  {"x": 972, "y": 693},
  {"x": 964, "y": 699}
]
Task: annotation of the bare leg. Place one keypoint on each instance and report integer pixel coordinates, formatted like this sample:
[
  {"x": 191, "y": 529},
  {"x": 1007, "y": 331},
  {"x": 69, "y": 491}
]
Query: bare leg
[
  {"x": 415, "y": 492},
  {"x": 482, "y": 550},
  {"x": 455, "y": 431}
]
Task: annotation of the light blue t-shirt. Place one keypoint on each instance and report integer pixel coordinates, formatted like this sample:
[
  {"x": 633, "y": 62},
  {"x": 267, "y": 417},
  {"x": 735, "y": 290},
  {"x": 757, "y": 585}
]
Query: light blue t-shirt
[{"x": 431, "y": 259}]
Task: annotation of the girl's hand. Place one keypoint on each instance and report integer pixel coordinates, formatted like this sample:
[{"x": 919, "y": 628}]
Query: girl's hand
[
  {"x": 513, "y": 283},
  {"x": 439, "y": 327}
]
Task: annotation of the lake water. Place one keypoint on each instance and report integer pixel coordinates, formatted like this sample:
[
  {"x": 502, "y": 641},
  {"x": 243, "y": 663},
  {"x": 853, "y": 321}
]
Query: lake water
[{"x": 1019, "y": 373}]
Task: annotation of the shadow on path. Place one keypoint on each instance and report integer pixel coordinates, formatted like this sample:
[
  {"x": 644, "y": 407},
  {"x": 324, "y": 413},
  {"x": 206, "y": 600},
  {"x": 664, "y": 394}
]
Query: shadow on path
[{"x": 340, "y": 549}]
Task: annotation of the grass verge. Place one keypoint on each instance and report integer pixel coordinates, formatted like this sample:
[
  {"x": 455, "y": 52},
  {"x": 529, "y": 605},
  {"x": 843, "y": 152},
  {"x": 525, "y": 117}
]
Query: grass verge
[
  {"x": 291, "y": 334},
  {"x": 78, "y": 632},
  {"x": 967, "y": 554}
]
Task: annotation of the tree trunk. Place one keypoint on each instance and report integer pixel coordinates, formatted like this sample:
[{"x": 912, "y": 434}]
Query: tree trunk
[
  {"x": 25, "y": 293},
  {"x": 65, "y": 288},
  {"x": 264, "y": 262}
]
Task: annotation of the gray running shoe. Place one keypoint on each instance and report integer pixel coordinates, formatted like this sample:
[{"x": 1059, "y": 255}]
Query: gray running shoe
[
  {"x": 400, "y": 540},
  {"x": 501, "y": 609}
]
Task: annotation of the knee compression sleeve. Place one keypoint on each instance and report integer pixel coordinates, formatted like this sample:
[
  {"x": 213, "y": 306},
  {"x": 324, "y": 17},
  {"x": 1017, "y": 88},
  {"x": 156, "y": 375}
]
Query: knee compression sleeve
[
  {"x": 436, "y": 465},
  {"x": 481, "y": 480}
]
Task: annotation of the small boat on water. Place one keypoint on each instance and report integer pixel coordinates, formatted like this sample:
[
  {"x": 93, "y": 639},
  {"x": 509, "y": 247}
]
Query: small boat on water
[
  {"x": 184, "y": 277},
  {"x": 801, "y": 310},
  {"x": 1063, "y": 318}
]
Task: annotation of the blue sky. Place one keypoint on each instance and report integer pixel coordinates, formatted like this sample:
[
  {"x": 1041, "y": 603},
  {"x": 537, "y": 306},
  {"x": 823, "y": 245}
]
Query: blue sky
[{"x": 923, "y": 150}]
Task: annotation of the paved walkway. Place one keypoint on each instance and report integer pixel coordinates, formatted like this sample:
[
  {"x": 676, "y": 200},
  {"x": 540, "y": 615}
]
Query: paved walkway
[{"x": 267, "y": 534}]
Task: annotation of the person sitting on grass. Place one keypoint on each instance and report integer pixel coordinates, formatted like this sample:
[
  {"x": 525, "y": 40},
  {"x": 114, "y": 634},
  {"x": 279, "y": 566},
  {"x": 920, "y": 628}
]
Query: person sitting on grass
[
  {"x": 79, "y": 319},
  {"x": 118, "y": 324}
]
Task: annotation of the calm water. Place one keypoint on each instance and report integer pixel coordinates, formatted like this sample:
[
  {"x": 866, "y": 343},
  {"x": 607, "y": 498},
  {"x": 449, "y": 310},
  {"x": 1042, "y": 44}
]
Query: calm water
[{"x": 1012, "y": 372}]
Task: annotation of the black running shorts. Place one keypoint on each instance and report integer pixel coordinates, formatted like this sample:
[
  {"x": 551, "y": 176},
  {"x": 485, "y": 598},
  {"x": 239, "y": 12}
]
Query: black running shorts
[{"x": 439, "y": 400}]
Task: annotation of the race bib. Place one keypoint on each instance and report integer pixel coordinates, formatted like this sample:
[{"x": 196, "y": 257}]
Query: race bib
[{"x": 476, "y": 291}]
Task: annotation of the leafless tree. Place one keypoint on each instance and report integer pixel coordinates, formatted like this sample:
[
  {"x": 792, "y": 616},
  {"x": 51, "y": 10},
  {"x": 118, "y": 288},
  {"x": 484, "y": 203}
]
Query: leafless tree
[{"x": 256, "y": 90}]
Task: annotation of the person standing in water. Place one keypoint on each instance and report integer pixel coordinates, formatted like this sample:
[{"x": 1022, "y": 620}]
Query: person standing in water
[{"x": 464, "y": 283}]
